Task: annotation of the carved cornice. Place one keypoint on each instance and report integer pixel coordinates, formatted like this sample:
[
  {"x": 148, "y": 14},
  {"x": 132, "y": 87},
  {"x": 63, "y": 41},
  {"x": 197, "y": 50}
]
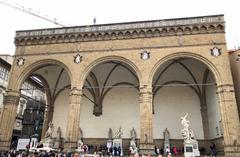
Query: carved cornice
[{"x": 145, "y": 29}]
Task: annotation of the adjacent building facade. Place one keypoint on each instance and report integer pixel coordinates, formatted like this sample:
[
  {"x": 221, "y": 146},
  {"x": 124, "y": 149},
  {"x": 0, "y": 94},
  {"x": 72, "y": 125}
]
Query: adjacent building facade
[
  {"x": 31, "y": 102},
  {"x": 142, "y": 75},
  {"x": 234, "y": 57}
]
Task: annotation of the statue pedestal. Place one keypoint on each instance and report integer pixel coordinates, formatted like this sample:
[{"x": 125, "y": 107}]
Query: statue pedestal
[
  {"x": 133, "y": 147},
  {"x": 146, "y": 148},
  {"x": 48, "y": 143},
  {"x": 118, "y": 143},
  {"x": 57, "y": 143},
  {"x": 191, "y": 149},
  {"x": 166, "y": 145},
  {"x": 80, "y": 146}
]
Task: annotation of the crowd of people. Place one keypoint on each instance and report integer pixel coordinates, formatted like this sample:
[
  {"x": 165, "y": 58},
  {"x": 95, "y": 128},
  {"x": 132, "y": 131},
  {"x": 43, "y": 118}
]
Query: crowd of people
[{"x": 99, "y": 151}]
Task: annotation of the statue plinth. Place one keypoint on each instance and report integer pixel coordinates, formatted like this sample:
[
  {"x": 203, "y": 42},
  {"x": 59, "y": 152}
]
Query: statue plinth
[
  {"x": 191, "y": 149},
  {"x": 190, "y": 144},
  {"x": 58, "y": 143},
  {"x": 146, "y": 148},
  {"x": 48, "y": 142},
  {"x": 117, "y": 142}
]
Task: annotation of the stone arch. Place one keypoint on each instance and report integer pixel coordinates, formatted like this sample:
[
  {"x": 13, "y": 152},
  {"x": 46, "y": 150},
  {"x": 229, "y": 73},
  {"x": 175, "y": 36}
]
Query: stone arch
[
  {"x": 211, "y": 69},
  {"x": 38, "y": 64},
  {"x": 198, "y": 57},
  {"x": 105, "y": 59}
]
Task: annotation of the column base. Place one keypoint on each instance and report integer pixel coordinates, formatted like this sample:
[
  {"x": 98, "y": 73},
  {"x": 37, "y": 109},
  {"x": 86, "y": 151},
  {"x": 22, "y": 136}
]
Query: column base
[
  {"x": 232, "y": 150},
  {"x": 146, "y": 148},
  {"x": 70, "y": 146},
  {"x": 4, "y": 145}
]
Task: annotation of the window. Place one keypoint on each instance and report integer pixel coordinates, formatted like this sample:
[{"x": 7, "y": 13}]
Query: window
[{"x": 4, "y": 73}]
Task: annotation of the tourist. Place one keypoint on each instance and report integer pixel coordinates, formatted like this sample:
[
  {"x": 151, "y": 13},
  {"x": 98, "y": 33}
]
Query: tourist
[
  {"x": 175, "y": 152},
  {"x": 213, "y": 150},
  {"x": 167, "y": 150},
  {"x": 119, "y": 151},
  {"x": 161, "y": 151},
  {"x": 155, "y": 149}
]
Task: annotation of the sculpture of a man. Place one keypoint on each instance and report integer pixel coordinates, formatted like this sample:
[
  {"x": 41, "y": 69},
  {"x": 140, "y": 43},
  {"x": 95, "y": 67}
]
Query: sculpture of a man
[
  {"x": 119, "y": 133},
  {"x": 59, "y": 133},
  {"x": 185, "y": 122},
  {"x": 133, "y": 134},
  {"x": 110, "y": 134},
  {"x": 50, "y": 130}
]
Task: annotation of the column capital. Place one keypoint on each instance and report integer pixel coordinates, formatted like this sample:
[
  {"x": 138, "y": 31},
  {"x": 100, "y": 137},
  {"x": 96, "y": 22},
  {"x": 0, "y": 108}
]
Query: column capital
[
  {"x": 75, "y": 91},
  {"x": 13, "y": 93},
  {"x": 145, "y": 89},
  {"x": 12, "y": 98},
  {"x": 225, "y": 88}
]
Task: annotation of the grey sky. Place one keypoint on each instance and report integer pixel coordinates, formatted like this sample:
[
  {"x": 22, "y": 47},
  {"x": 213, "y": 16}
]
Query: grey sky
[{"x": 80, "y": 12}]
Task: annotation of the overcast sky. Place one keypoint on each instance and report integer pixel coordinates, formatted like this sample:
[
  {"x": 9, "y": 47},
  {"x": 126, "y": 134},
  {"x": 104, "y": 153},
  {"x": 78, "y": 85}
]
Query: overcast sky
[{"x": 80, "y": 12}]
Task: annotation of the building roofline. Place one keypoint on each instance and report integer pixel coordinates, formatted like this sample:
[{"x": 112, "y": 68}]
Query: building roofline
[
  {"x": 115, "y": 31},
  {"x": 122, "y": 23}
]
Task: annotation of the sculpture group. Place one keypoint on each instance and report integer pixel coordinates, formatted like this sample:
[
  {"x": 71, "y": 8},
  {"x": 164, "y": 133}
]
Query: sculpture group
[
  {"x": 187, "y": 132},
  {"x": 190, "y": 143}
]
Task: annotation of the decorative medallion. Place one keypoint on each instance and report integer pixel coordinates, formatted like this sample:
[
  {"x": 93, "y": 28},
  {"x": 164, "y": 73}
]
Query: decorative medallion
[
  {"x": 77, "y": 59},
  {"x": 216, "y": 52},
  {"x": 20, "y": 61},
  {"x": 145, "y": 55}
]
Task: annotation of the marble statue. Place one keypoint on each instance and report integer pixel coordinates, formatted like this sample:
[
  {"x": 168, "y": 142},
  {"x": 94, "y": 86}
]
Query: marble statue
[
  {"x": 189, "y": 139},
  {"x": 133, "y": 134},
  {"x": 59, "y": 133},
  {"x": 79, "y": 141},
  {"x": 80, "y": 133},
  {"x": 118, "y": 134},
  {"x": 146, "y": 138},
  {"x": 58, "y": 140},
  {"x": 187, "y": 132},
  {"x": 110, "y": 134},
  {"x": 133, "y": 147},
  {"x": 50, "y": 130},
  {"x": 166, "y": 135}
]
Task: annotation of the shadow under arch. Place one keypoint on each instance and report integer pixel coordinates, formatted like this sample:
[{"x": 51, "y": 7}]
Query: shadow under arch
[
  {"x": 37, "y": 65},
  {"x": 198, "y": 57},
  {"x": 98, "y": 61}
]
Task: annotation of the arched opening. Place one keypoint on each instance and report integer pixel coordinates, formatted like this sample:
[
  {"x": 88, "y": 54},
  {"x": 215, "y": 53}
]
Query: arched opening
[
  {"x": 110, "y": 100},
  {"x": 45, "y": 88},
  {"x": 186, "y": 85}
]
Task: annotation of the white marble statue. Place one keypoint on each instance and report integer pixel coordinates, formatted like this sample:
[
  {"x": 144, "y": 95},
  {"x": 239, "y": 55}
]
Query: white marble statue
[
  {"x": 133, "y": 134},
  {"x": 118, "y": 134},
  {"x": 187, "y": 132},
  {"x": 189, "y": 139},
  {"x": 50, "y": 130}
]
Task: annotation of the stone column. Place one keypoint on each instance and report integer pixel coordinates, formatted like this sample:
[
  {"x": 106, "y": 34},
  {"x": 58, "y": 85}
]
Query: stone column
[
  {"x": 146, "y": 120},
  {"x": 8, "y": 119},
  {"x": 205, "y": 121},
  {"x": 73, "y": 119},
  {"x": 230, "y": 120},
  {"x": 45, "y": 121}
]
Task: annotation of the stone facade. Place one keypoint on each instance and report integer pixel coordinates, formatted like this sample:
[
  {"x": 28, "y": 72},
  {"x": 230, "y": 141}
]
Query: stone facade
[
  {"x": 164, "y": 40},
  {"x": 234, "y": 58}
]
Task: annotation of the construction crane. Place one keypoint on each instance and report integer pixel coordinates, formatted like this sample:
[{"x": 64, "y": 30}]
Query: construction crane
[{"x": 31, "y": 12}]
